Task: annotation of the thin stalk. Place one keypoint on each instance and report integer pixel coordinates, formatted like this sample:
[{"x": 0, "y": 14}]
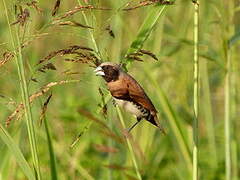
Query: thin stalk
[
  {"x": 196, "y": 91},
  {"x": 234, "y": 112},
  {"x": 207, "y": 108},
  {"x": 227, "y": 119},
  {"x": 52, "y": 158},
  {"x": 129, "y": 146},
  {"x": 90, "y": 32},
  {"x": 173, "y": 120},
  {"x": 25, "y": 96},
  {"x": 228, "y": 89},
  {"x": 234, "y": 151},
  {"x": 110, "y": 144},
  {"x": 99, "y": 55}
]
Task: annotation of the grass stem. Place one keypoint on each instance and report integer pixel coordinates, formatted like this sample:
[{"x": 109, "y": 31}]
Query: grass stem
[
  {"x": 227, "y": 119},
  {"x": 25, "y": 95},
  {"x": 196, "y": 91},
  {"x": 90, "y": 32},
  {"x": 129, "y": 146}
]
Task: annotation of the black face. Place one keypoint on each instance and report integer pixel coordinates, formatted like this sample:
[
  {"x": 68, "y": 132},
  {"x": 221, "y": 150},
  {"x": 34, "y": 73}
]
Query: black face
[{"x": 111, "y": 73}]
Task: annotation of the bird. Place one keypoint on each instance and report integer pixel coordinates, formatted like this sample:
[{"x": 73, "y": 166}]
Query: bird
[{"x": 128, "y": 93}]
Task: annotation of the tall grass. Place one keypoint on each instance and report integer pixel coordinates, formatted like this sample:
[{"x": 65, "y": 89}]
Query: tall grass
[
  {"x": 14, "y": 149},
  {"x": 227, "y": 89},
  {"x": 196, "y": 91},
  {"x": 101, "y": 151},
  {"x": 130, "y": 147},
  {"x": 16, "y": 47},
  {"x": 227, "y": 119}
]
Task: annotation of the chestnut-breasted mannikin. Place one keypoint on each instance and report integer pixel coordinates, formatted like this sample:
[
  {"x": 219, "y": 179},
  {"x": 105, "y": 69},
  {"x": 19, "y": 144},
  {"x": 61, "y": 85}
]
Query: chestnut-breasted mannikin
[{"x": 128, "y": 94}]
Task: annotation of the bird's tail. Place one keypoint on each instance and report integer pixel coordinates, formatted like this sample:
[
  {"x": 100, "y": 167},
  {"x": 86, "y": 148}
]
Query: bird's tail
[{"x": 154, "y": 120}]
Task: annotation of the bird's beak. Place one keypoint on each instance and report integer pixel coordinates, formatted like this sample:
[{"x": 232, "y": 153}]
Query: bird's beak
[{"x": 99, "y": 71}]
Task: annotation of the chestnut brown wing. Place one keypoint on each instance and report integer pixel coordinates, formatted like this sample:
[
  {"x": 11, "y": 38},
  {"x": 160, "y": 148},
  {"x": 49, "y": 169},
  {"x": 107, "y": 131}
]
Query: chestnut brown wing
[
  {"x": 127, "y": 88},
  {"x": 138, "y": 95}
]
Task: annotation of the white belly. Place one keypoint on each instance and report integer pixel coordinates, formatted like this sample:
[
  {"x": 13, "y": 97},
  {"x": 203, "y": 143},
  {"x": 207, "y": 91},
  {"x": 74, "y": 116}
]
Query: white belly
[{"x": 129, "y": 106}]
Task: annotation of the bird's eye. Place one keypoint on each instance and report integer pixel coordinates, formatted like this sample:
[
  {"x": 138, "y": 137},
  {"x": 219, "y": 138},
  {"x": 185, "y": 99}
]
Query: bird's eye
[{"x": 107, "y": 68}]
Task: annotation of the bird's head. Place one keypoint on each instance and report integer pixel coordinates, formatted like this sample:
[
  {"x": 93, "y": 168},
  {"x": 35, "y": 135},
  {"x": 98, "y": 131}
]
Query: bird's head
[{"x": 108, "y": 70}]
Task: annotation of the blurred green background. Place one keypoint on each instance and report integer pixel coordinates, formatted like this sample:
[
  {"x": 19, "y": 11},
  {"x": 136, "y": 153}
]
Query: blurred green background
[{"x": 102, "y": 152}]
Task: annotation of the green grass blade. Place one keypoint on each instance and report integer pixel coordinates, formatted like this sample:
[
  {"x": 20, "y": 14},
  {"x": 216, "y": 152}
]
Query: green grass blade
[
  {"x": 16, "y": 46},
  {"x": 145, "y": 30},
  {"x": 130, "y": 146},
  {"x": 173, "y": 120},
  {"x": 16, "y": 152},
  {"x": 51, "y": 152},
  {"x": 227, "y": 119},
  {"x": 207, "y": 108},
  {"x": 228, "y": 86},
  {"x": 93, "y": 41},
  {"x": 234, "y": 153},
  {"x": 196, "y": 88}
]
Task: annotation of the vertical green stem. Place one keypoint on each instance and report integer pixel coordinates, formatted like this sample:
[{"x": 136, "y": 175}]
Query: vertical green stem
[
  {"x": 196, "y": 92},
  {"x": 234, "y": 155},
  {"x": 228, "y": 89},
  {"x": 207, "y": 108},
  {"x": 90, "y": 32},
  {"x": 227, "y": 119},
  {"x": 25, "y": 96},
  {"x": 130, "y": 146}
]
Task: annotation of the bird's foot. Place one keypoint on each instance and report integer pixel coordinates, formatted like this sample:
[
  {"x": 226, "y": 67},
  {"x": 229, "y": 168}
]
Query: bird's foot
[{"x": 126, "y": 133}]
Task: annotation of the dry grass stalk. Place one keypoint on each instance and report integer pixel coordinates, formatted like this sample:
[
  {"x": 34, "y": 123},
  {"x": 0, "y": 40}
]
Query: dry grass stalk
[
  {"x": 56, "y": 7},
  {"x": 35, "y": 6},
  {"x": 85, "y": 56},
  {"x": 80, "y": 8},
  {"x": 105, "y": 149},
  {"x": 61, "y": 52},
  {"x": 34, "y": 96},
  {"x": 141, "y": 52},
  {"x": 134, "y": 57},
  {"x": 48, "y": 66},
  {"x": 93, "y": 118},
  {"x": 149, "y": 53},
  {"x": 22, "y": 17},
  {"x": 147, "y": 3},
  {"x": 7, "y": 56},
  {"x": 72, "y": 23},
  {"x": 113, "y": 136},
  {"x": 105, "y": 130}
]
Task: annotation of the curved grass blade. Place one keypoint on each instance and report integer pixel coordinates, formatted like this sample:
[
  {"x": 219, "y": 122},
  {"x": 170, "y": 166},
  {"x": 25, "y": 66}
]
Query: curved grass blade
[
  {"x": 144, "y": 31},
  {"x": 130, "y": 147},
  {"x": 16, "y": 152},
  {"x": 173, "y": 121},
  {"x": 196, "y": 89},
  {"x": 51, "y": 152},
  {"x": 16, "y": 46}
]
